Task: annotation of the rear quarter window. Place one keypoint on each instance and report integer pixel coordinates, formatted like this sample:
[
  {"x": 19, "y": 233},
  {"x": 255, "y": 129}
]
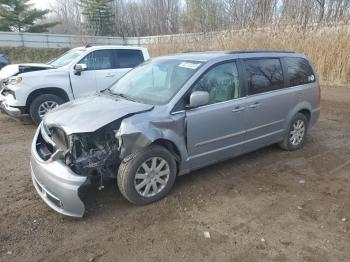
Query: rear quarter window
[
  {"x": 129, "y": 58},
  {"x": 264, "y": 75},
  {"x": 299, "y": 71}
]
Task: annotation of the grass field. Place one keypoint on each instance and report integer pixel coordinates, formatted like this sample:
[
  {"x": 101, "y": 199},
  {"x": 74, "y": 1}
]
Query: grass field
[
  {"x": 31, "y": 55},
  {"x": 327, "y": 47}
]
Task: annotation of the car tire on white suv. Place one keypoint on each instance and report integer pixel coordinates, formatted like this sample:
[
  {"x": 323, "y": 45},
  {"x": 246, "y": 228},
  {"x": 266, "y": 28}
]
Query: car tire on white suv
[{"x": 43, "y": 104}]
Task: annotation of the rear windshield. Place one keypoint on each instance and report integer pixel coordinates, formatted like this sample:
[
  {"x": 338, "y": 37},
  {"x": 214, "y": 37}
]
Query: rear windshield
[{"x": 299, "y": 71}]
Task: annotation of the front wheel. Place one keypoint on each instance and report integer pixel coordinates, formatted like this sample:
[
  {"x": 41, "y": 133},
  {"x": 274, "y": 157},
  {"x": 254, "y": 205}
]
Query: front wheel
[
  {"x": 42, "y": 105},
  {"x": 148, "y": 176},
  {"x": 296, "y": 133}
]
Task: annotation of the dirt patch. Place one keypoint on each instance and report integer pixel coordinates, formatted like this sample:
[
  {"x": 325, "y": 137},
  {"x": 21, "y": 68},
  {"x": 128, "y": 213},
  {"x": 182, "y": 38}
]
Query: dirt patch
[{"x": 269, "y": 205}]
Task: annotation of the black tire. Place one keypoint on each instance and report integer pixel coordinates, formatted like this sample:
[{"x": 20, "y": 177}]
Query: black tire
[
  {"x": 127, "y": 171},
  {"x": 39, "y": 100},
  {"x": 287, "y": 144}
]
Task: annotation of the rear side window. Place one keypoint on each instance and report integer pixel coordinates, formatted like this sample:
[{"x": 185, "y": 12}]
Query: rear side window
[
  {"x": 129, "y": 58},
  {"x": 264, "y": 75},
  {"x": 299, "y": 71}
]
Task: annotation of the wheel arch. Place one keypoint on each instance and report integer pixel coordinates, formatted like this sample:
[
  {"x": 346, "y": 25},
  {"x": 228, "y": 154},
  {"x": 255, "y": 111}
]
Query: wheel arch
[
  {"x": 47, "y": 90},
  {"x": 303, "y": 107},
  {"x": 172, "y": 148},
  {"x": 306, "y": 113}
]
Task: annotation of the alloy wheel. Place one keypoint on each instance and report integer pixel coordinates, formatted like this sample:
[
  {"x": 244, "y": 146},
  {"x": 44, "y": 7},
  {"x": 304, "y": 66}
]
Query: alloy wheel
[
  {"x": 152, "y": 176},
  {"x": 46, "y": 107},
  {"x": 297, "y": 133}
]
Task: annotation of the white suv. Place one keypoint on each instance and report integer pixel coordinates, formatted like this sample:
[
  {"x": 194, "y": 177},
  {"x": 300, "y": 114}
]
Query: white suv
[{"x": 35, "y": 89}]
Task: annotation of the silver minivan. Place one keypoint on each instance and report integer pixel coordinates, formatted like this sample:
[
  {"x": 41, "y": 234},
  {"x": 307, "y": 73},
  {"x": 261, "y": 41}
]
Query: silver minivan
[{"x": 169, "y": 116}]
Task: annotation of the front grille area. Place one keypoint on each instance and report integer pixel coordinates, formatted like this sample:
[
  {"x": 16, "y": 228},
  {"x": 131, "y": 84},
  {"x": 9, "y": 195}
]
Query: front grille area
[
  {"x": 6, "y": 92},
  {"x": 39, "y": 186},
  {"x": 48, "y": 195},
  {"x": 54, "y": 200}
]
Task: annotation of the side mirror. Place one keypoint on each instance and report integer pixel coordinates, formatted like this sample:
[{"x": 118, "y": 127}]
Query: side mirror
[
  {"x": 78, "y": 68},
  {"x": 199, "y": 98}
]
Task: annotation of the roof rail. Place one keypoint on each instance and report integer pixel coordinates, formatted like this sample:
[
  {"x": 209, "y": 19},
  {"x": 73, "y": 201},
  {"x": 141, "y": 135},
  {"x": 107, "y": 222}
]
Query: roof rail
[
  {"x": 259, "y": 51},
  {"x": 193, "y": 51}
]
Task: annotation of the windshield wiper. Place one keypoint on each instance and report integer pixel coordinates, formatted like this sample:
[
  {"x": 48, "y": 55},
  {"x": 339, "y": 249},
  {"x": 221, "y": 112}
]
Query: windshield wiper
[
  {"x": 106, "y": 89},
  {"x": 123, "y": 96}
]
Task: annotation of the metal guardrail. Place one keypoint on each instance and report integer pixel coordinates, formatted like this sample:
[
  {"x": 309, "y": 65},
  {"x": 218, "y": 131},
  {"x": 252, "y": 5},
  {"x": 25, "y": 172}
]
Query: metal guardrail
[
  {"x": 14, "y": 39},
  {"x": 34, "y": 40}
]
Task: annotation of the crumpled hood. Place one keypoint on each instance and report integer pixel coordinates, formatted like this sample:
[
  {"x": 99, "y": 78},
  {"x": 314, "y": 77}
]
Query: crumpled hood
[
  {"x": 91, "y": 113},
  {"x": 13, "y": 69}
]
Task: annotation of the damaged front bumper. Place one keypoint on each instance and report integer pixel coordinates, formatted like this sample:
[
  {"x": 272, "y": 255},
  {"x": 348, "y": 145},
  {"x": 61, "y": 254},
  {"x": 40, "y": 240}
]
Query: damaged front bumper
[
  {"x": 9, "y": 110},
  {"x": 56, "y": 184}
]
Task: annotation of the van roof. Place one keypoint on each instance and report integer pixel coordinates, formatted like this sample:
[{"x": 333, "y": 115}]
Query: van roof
[
  {"x": 260, "y": 51},
  {"x": 209, "y": 55}
]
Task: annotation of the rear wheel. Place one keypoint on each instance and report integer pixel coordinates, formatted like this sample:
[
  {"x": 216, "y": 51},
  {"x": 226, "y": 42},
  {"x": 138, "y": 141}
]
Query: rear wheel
[
  {"x": 148, "y": 176},
  {"x": 296, "y": 133},
  {"x": 43, "y": 104}
]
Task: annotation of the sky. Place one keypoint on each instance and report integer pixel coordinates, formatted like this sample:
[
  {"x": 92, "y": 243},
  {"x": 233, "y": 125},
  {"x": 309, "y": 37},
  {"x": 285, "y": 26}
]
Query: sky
[{"x": 42, "y": 4}]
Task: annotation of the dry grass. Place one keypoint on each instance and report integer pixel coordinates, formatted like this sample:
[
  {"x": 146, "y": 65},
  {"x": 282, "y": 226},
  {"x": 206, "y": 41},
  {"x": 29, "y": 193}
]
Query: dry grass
[
  {"x": 31, "y": 55},
  {"x": 329, "y": 48}
]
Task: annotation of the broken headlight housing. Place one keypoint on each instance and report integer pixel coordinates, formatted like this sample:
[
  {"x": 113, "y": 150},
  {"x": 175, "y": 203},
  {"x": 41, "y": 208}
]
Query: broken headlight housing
[
  {"x": 60, "y": 138},
  {"x": 92, "y": 154},
  {"x": 15, "y": 80}
]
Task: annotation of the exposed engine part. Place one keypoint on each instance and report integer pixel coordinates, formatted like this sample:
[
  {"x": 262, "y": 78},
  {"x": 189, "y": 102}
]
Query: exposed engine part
[{"x": 95, "y": 154}]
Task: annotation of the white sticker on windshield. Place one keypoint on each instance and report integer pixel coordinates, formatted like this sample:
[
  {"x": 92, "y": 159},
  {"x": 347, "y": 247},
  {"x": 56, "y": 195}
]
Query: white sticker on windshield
[{"x": 189, "y": 65}]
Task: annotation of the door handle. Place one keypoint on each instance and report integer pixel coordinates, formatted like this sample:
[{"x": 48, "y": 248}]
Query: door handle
[
  {"x": 238, "y": 109},
  {"x": 110, "y": 75},
  {"x": 255, "y": 105}
]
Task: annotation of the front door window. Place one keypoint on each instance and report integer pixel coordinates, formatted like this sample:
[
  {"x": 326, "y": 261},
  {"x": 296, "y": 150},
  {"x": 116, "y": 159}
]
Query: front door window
[{"x": 221, "y": 82}]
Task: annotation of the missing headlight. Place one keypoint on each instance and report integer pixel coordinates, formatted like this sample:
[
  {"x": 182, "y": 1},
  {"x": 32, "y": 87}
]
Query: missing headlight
[{"x": 94, "y": 154}]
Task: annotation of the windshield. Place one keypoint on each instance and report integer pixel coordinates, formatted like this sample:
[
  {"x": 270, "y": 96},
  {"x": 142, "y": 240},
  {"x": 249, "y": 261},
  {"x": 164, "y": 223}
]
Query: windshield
[
  {"x": 155, "y": 81},
  {"x": 66, "y": 58}
]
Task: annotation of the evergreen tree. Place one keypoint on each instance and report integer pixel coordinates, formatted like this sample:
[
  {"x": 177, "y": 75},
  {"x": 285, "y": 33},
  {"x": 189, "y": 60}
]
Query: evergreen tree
[
  {"x": 97, "y": 16},
  {"x": 20, "y": 16}
]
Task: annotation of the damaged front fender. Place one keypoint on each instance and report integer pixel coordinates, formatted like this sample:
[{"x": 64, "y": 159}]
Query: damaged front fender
[{"x": 136, "y": 133}]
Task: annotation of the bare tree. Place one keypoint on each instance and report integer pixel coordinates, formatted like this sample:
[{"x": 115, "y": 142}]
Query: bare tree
[
  {"x": 159, "y": 17},
  {"x": 147, "y": 17},
  {"x": 68, "y": 13}
]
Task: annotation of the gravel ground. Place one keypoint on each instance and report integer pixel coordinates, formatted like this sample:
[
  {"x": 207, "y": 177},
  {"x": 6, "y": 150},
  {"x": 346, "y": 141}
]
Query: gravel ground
[{"x": 269, "y": 205}]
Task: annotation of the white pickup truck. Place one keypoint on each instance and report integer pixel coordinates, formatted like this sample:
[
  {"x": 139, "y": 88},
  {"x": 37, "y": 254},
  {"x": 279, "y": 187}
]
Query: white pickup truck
[{"x": 35, "y": 89}]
